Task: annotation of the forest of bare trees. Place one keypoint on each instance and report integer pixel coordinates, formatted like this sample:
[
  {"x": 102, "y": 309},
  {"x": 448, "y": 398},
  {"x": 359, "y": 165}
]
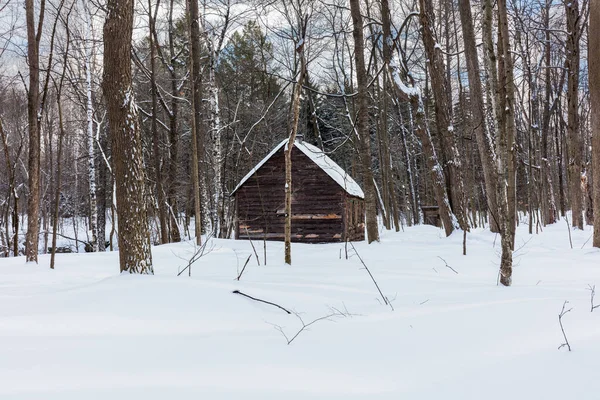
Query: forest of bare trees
[{"x": 150, "y": 112}]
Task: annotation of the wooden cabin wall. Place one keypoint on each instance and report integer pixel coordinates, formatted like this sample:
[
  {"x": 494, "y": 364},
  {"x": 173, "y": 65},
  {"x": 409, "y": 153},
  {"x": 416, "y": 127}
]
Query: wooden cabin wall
[
  {"x": 354, "y": 219},
  {"x": 317, "y": 202}
]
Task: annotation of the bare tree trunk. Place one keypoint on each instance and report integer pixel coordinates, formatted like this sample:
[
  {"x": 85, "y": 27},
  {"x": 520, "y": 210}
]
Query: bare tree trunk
[
  {"x": 173, "y": 133},
  {"x": 33, "y": 117},
  {"x": 87, "y": 52},
  {"x": 413, "y": 95},
  {"x": 594, "y": 77},
  {"x": 484, "y": 141},
  {"x": 575, "y": 142},
  {"x": 196, "y": 120},
  {"x": 362, "y": 123},
  {"x": 134, "y": 237},
  {"x": 549, "y": 211},
  {"x": 160, "y": 192},
  {"x": 443, "y": 112},
  {"x": 61, "y": 135},
  {"x": 290, "y": 145},
  {"x": 509, "y": 149},
  {"x": 12, "y": 192}
]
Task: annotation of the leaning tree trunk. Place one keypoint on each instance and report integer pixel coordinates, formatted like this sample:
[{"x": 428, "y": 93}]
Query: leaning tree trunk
[
  {"x": 575, "y": 142},
  {"x": 134, "y": 236},
  {"x": 362, "y": 123},
  {"x": 594, "y": 77},
  {"x": 290, "y": 146}
]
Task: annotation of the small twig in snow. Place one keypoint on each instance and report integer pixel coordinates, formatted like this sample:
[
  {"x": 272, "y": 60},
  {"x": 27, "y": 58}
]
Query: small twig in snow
[
  {"x": 385, "y": 300},
  {"x": 588, "y": 239},
  {"x": 199, "y": 252},
  {"x": 563, "y": 312},
  {"x": 334, "y": 314},
  {"x": 592, "y": 290},
  {"x": 569, "y": 228},
  {"x": 522, "y": 246},
  {"x": 456, "y": 272},
  {"x": 244, "y": 267},
  {"x": 252, "y": 244}
]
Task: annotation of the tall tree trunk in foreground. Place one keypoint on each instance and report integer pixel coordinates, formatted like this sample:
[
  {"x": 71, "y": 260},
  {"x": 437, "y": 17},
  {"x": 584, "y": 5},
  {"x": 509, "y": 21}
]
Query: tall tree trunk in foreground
[
  {"x": 508, "y": 149},
  {"x": 33, "y": 117},
  {"x": 362, "y": 122},
  {"x": 134, "y": 236},
  {"x": 594, "y": 76},
  {"x": 290, "y": 146},
  {"x": 575, "y": 142},
  {"x": 196, "y": 120}
]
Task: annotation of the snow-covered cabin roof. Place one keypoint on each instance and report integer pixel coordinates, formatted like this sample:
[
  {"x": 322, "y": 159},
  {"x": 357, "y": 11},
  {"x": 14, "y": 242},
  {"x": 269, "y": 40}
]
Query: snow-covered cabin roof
[{"x": 336, "y": 172}]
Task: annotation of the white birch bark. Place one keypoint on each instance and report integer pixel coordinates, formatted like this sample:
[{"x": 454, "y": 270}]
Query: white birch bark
[{"x": 87, "y": 52}]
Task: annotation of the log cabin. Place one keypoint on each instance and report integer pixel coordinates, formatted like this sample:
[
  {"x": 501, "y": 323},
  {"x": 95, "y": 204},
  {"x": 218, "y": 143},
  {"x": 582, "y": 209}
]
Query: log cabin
[{"x": 327, "y": 204}]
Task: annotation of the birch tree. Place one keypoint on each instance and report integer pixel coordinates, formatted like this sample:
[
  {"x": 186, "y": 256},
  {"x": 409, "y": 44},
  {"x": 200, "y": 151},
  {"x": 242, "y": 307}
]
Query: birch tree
[{"x": 87, "y": 54}]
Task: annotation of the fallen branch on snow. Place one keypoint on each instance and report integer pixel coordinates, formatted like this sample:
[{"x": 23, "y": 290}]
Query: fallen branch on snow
[
  {"x": 260, "y": 300},
  {"x": 447, "y": 266}
]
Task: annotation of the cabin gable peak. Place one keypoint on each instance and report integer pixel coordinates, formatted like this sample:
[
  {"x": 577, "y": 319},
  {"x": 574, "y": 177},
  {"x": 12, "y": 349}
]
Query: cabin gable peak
[{"x": 330, "y": 167}]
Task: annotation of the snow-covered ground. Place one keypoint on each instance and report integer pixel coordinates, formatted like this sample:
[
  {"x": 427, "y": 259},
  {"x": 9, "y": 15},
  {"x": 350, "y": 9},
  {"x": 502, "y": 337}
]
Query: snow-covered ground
[{"x": 83, "y": 331}]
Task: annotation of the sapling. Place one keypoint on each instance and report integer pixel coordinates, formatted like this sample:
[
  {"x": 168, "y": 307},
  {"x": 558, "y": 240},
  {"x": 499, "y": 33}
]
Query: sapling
[
  {"x": 335, "y": 313},
  {"x": 563, "y": 312},
  {"x": 592, "y": 290},
  {"x": 385, "y": 299}
]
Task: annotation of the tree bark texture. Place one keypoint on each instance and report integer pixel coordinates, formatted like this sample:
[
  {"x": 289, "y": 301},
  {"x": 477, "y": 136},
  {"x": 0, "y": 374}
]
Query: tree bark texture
[
  {"x": 33, "y": 118},
  {"x": 594, "y": 77},
  {"x": 413, "y": 95},
  {"x": 196, "y": 121},
  {"x": 485, "y": 144},
  {"x": 443, "y": 112},
  {"x": 508, "y": 147},
  {"x": 289, "y": 148},
  {"x": 362, "y": 123},
  {"x": 575, "y": 142},
  {"x": 134, "y": 238}
]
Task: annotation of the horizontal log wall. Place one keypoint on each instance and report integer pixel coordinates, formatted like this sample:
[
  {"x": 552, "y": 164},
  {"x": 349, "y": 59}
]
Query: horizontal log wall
[{"x": 318, "y": 203}]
